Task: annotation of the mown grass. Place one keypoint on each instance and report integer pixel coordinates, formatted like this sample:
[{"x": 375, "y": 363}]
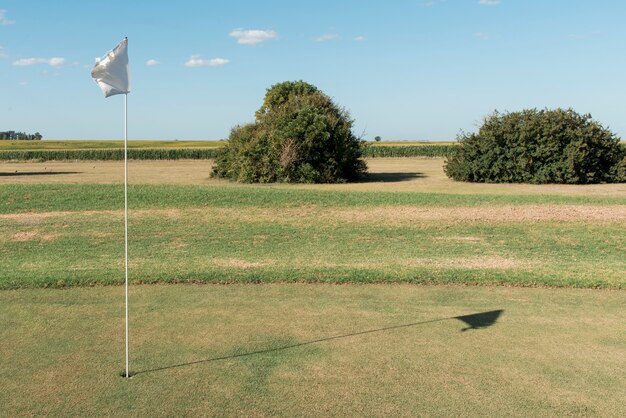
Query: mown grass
[
  {"x": 265, "y": 234},
  {"x": 16, "y": 198},
  {"x": 279, "y": 348},
  {"x": 303, "y": 350}
]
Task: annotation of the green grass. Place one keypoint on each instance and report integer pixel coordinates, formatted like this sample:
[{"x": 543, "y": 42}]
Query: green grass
[
  {"x": 266, "y": 234},
  {"x": 293, "y": 344},
  {"x": 302, "y": 350},
  {"x": 16, "y": 198}
]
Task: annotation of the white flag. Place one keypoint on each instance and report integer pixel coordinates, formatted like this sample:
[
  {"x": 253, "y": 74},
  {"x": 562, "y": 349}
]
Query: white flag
[{"x": 111, "y": 72}]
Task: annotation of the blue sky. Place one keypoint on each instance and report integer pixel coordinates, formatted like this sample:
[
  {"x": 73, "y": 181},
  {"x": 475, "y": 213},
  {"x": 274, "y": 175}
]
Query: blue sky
[{"x": 418, "y": 69}]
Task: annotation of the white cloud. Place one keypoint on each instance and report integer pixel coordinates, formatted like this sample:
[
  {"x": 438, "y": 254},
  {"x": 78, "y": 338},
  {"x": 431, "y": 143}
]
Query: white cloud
[
  {"x": 252, "y": 37},
  {"x": 53, "y": 62},
  {"x": 2, "y": 53},
  {"x": 197, "y": 61},
  {"x": 489, "y": 2},
  {"x": 360, "y": 38},
  {"x": 326, "y": 37},
  {"x": 584, "y": 36},
  {"x": 152, "y": 62},
  {"x": 3, "y": 18},
  {"x": 482, "y": 36}
]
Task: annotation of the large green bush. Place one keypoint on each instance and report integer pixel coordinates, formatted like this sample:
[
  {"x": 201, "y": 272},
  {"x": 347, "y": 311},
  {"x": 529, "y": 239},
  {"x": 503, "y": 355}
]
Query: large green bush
[
  {"x": 299, "y": 136},
  {"x": 538, "y": 146}
]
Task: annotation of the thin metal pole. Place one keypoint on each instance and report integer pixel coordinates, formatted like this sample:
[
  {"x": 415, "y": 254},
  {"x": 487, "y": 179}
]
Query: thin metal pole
[{"x": 126, "y": 217}]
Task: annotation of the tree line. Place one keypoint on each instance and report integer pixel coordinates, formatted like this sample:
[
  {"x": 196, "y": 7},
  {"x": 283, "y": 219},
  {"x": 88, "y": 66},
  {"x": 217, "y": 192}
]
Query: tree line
[{"x": 20, "y": 136}]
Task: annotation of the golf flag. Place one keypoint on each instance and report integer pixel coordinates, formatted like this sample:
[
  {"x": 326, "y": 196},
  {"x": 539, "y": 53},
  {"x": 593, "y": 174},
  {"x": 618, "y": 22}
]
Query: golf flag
[
  {"x": 111, "y": 71},
  {"x": 112, "y": 75}
]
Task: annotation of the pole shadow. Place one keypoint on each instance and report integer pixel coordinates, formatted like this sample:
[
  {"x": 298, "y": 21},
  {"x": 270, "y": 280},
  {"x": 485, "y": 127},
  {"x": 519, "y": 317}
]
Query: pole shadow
[
  {"x": 37, "y": 173},
  {"x": 475, "y": 321}
]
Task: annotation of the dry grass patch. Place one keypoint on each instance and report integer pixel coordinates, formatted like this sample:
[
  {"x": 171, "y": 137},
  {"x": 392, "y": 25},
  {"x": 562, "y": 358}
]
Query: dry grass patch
[
  {"x": 240, "y": 264},
  {"x": 473, "y": 263},
  {"x": 404, "y": 174},
  {"x": 35, "y": 217},
  {"x": 522, "y": 213},
  {"x": 34, "y": 236}
]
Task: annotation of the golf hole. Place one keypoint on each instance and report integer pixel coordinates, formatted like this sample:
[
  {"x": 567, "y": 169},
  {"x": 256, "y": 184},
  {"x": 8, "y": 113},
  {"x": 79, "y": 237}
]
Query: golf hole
[{"x": 130, "y": 374}]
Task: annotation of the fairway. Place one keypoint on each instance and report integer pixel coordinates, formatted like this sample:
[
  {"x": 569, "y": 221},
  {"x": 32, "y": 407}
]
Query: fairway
[
  {"x": 313, "y": 350},
  {"x": 406, "y": 222},
  {"x": 405, "y": 294}
]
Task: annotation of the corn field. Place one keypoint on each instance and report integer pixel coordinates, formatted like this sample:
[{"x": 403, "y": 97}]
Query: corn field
[{"x": 370, "y": 151}]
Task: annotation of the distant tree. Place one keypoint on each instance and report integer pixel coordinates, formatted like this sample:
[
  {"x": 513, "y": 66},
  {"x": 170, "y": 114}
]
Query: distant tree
[
  {"x": 300, "y": 136},
  {"x": 377, "y": 139},
  {"x": 539, "y": 146},
  {"x": 20, "y": 136}
]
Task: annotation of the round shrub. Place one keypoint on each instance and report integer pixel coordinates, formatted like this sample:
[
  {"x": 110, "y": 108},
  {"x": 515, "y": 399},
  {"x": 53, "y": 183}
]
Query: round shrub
[
  {"x": 299, "y": 136},
  {"x": 538, "y": 146}
]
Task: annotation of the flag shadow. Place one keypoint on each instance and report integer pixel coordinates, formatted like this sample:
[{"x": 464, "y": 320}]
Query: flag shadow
[{"x": 475, "y": 321}]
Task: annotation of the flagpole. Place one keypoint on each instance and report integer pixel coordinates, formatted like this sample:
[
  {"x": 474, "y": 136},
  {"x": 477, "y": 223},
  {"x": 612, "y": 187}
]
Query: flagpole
[
  {"x": 126, "y": 217},
  {"x": 112, "y": 75}
]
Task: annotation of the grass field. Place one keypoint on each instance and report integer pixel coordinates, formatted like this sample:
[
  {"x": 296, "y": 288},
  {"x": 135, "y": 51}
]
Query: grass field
[
  {"x": 214, "y": 231},
  {"x": 313, "y": 350},
  {"x": 371, "y": 343}
]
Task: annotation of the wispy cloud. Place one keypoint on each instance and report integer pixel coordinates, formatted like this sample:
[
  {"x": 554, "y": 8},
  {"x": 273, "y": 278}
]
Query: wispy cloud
[
  {"x": 198, "y": 61},
  {"x": 4, "y": 20},
  {"x": 253, "y": 36},
  {"x": 360, "y": 38},
  {"x": 488, "y": 2},
  {"x": 2, "y": 53},
  {"x": 431, "y": 3},
  {"x": 583, "y": 36},
  {"x": 152, "y": 62},
  {"x": 26, "y": 62},
  {"x": 482, "y": 36},
  {"x": 326, "y": 37}
]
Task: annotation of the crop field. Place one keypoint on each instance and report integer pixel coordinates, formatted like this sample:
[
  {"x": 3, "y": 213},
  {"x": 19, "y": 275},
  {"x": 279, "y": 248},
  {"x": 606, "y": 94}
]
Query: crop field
[
  {"x": 309, "y": 300},
  {"x": 80, "y": 144},
  {"x": 43, "y": 151},
  {"x": 138, "y": 144}
]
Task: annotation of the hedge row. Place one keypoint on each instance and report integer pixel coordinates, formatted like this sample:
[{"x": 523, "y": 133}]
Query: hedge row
[{"x": 371, "y": 151}]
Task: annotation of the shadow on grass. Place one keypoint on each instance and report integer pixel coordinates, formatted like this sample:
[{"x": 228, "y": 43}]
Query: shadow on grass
[
  {"x": 390, "y": 177},
  {"x": 475, "y": 321},
  {"x": 37, "y": 173}
]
